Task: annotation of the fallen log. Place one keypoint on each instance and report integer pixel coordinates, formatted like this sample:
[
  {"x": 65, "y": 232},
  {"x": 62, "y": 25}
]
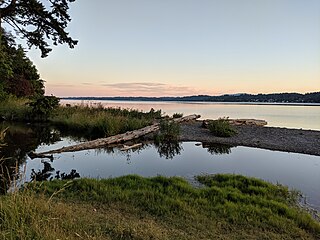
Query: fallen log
[
  {"x": 248, "y": 122},
  {"x": 237, "y": 122},
  {"x": 120, "y": 138}
]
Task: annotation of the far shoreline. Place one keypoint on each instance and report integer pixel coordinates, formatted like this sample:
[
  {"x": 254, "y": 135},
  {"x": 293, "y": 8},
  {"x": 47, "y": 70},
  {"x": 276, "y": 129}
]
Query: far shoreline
[{"x": 194, "y": 102}]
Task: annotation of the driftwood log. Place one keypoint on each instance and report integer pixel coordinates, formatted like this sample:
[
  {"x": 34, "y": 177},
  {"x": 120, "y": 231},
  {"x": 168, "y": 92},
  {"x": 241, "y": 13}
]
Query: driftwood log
[
  {"x": 120, "y": 138},
  {"x": 237, "y": 122},
  {"x": 250, "y": 122}
]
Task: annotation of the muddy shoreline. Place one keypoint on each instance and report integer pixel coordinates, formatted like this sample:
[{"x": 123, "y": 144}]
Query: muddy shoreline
[{"x": 273, "y": 138}]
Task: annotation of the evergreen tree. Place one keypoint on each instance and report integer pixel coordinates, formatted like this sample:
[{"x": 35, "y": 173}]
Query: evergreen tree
[{"x": 18, "y": 75}]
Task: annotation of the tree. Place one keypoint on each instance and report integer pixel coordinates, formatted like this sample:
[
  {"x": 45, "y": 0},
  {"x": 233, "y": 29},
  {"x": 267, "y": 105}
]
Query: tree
[
  {"x": 38, "y": 22},
  {"x": 18, "y": 75}
]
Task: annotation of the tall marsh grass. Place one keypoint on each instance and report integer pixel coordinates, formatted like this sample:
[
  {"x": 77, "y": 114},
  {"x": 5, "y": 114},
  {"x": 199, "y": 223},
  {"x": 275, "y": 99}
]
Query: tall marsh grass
[
  {"x": 15, "y": 109},
  {"x": 101, "y": 122},
  {"x": 87, "y": 121}
]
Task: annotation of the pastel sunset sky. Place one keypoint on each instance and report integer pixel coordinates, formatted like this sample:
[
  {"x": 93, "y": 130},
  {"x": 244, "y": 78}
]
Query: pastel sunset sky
[{"x": 186, "y": 47}]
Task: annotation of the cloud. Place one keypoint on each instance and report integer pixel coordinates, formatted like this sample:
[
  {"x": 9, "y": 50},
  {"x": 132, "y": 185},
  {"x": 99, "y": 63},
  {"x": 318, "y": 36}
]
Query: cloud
[
  {"x": 61, "y": 85},
  {"x": 129, "y": 89},
  {"x": 137, "y": 85},
  {"x": 149, "y": 89},
  {"x": 87, "y": 83}
]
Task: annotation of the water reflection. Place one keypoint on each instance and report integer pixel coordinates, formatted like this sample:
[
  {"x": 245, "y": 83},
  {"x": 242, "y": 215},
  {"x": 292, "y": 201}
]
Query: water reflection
[
  {"x": 44, "y": 174},
  {"x": 47, "y": 174},
  {"x": 115, "y": 149},
  {"x": 20, "y": 139},
  {"x": 217, "y": 149},
  {"x": 169, "y": 149}
]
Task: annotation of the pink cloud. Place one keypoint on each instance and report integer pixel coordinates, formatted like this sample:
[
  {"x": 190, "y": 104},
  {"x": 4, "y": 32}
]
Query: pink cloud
[{"x": 122, "y": 89}]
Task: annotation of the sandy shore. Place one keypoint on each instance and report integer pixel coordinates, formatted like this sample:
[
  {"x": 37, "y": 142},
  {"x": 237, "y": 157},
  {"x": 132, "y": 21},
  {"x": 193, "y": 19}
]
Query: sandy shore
[{"x": 273, "y": 138}]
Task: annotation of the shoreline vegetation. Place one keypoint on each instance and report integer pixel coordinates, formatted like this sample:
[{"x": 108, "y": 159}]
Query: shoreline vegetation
[
  {"x": 88, "y": 121},
  {"x": 133, "y": 207},
  {"x": 95, "y": 121}
]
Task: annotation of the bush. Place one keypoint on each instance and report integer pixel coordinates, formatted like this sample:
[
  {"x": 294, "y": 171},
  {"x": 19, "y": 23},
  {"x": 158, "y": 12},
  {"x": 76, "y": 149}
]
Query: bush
[
  {"x": 42, "y": 107},
  {"x": 169, "y": 131},
  {"x": 177, "y": 115},
  {"x": 221, "y": 128}
]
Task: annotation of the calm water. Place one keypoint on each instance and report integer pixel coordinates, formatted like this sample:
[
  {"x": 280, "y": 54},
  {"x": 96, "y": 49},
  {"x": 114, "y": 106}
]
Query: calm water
[
  {"x": 188, "y": 159},
  {"x": 290, "y": 116}
]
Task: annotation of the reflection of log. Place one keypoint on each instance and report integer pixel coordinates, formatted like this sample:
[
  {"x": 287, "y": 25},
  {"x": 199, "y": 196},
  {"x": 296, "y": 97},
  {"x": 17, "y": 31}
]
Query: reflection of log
[
  {"x": 126, "y": 147},
  {"x": 237, "y": 122},
  {"x": 102, "y": 142},
  {"x": 33, "y": 155}
]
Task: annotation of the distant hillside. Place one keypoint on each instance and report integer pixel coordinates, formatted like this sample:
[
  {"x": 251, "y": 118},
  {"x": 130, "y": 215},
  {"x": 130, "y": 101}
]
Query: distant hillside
[{"x": 267, "y": 98}]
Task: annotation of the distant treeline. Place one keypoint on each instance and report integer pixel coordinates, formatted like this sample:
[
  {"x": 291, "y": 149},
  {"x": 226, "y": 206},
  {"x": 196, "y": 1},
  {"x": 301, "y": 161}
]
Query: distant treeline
[{"x": 264, "y": 98}]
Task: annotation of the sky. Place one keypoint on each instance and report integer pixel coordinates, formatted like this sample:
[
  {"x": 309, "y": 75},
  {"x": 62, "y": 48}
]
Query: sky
[{"x": 186, "y": 47}]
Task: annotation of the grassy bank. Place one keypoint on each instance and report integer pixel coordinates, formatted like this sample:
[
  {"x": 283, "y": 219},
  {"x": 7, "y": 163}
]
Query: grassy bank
[
  {"x": 89, "y": 121},
  {"x": 99, "y": 121},
  {"x": 132, "y": 207},
  {"x": 15, "y": 109}
]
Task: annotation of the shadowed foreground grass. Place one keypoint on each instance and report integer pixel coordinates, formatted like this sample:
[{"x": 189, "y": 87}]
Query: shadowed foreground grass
[{"x": 132, "y": 207}]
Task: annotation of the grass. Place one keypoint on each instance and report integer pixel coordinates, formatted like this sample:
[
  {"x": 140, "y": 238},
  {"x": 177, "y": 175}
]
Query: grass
[
  {"x": 90, "y": 121},
  {"x": 101, "y": 122},
  {"x": 221, "y": 128},
  {"x": 15, "y": 109},
  {"x": 133, "y": 207}
]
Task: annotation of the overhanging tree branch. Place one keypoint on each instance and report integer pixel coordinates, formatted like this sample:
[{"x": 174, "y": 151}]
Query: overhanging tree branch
[
  {"x": 39, "y": 22},
  {"x": 7, "y": 11}
]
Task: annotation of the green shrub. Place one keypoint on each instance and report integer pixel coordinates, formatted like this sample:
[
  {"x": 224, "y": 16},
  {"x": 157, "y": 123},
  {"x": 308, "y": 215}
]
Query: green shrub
[
  {"x": 43, "y": 106},
  {"x": 221, "y": 128},
  {"x": 169, "y": 131},
  {"x": 177, "y": 115}
]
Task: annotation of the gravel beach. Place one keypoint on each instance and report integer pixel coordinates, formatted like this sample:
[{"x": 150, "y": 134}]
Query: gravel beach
[{"x": 273, "y": 138}]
